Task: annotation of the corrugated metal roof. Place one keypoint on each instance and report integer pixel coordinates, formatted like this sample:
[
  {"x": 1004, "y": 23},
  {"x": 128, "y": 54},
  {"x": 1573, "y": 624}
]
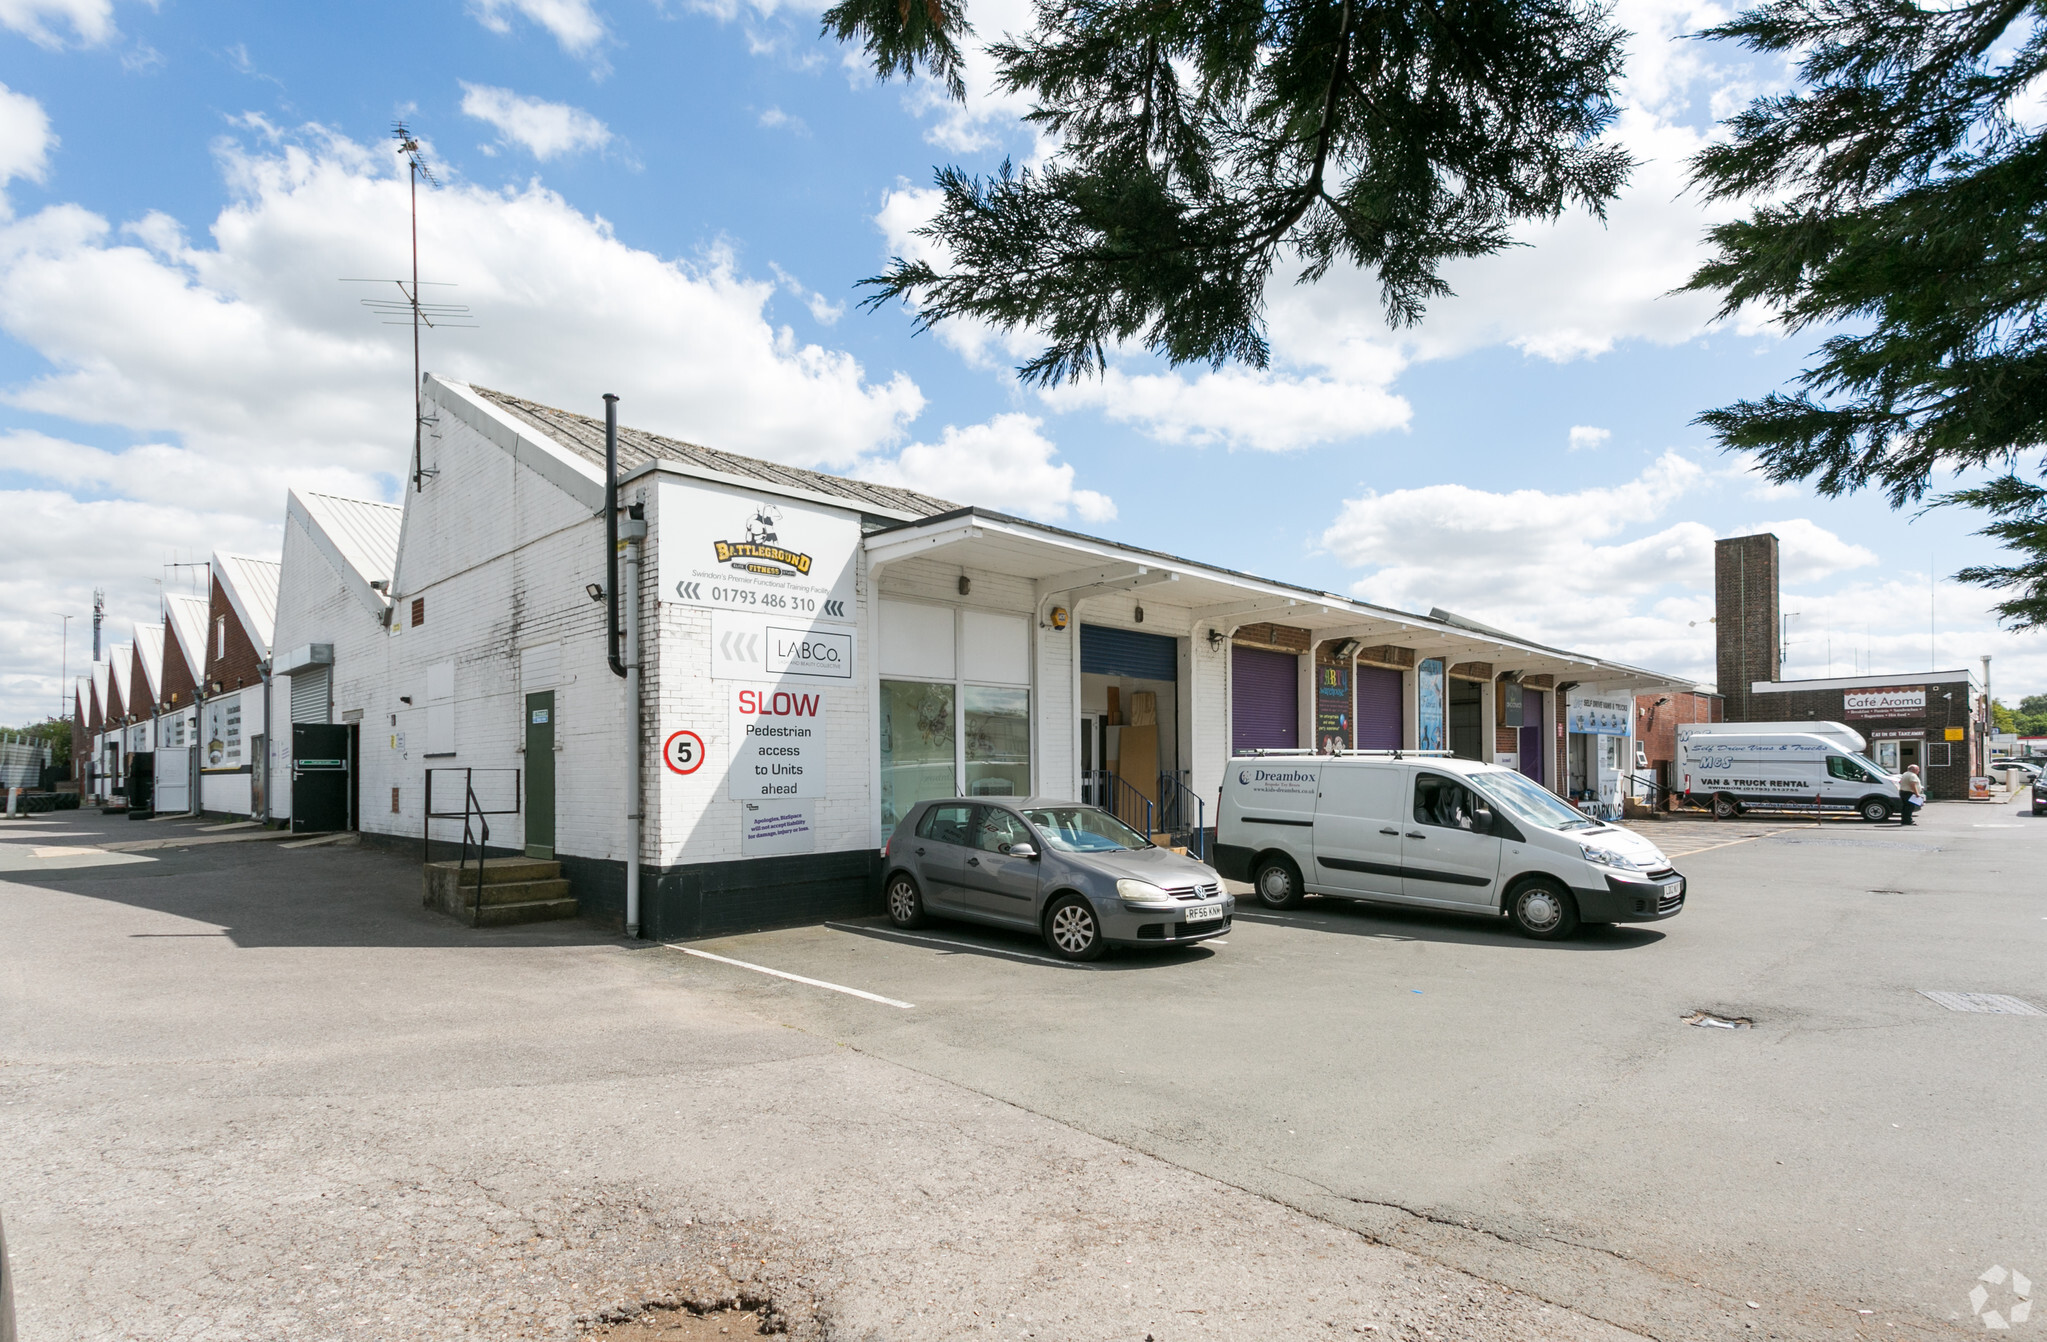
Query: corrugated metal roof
[
  {"x": 365, "y": 533},
  {"x": 188, "y": 631},
  {"x": 121, "y": 663},
  {"x": 149, "y": 647},
  {"x": 585, "y": 437},
  {"x": 252, "y": 587}
]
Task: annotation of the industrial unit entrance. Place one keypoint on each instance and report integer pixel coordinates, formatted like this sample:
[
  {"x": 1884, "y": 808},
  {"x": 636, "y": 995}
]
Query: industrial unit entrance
[{"x": 1130, "y": 715}]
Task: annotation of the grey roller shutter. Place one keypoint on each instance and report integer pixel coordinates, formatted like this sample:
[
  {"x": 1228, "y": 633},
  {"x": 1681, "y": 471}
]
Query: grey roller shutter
[{"x": 310, "y": 694}]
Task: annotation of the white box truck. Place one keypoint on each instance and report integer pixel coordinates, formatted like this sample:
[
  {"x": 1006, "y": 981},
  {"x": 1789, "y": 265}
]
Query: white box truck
[{"x": 1802, "y": 765}]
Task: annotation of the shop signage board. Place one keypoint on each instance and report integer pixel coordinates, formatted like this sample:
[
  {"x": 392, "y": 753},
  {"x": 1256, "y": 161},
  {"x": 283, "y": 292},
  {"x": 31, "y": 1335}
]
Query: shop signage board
[
  {"x": 778, "y": 744},
  {"x": 1896, "y": 701},
  {"x": 1431, "y": 730},
  {"x": 1332, "y": 708},
  {"x": 1593, "y": 716},
  {"x": 776, "y": 828},
  {"x": 764, "y": 647},
  {"x": 730, "y": 549},
  {"x": 224, "y": 732}
]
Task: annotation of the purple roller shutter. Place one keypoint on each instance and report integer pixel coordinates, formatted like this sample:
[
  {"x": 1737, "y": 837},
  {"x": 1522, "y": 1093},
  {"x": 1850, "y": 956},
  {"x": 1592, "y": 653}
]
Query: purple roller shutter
[
  {"x": 1379, "y": 715},
  {"x": 1265, "y": 700},
  {"x": 1531, "y": 734}
]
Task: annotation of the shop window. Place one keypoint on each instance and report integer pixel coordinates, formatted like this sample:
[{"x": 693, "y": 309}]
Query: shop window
[
  {"x": 1610, "y": 754},
  {"x": 998, "y": 741},
  {"x": 918, "y": 746}
]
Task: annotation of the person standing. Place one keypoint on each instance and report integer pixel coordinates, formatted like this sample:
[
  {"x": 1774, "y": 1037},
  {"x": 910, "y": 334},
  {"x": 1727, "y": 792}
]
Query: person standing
[{"x": 1911, "y": 793}]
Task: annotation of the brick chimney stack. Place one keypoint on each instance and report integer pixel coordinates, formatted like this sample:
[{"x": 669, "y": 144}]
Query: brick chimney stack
[{"x": 1745, "y": 614}]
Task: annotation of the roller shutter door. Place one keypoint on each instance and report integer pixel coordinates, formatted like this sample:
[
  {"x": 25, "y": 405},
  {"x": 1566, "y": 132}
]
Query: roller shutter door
[
  {"x": 309, "y": 694},
  {"x": 1128, "y": 652},
  {"x": 1265, "y": 700},
  {"x": 1379, "y": 708}
]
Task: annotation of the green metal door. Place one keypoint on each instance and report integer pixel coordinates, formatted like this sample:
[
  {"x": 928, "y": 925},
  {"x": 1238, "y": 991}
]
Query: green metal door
[{"x": 540, "y": 775}]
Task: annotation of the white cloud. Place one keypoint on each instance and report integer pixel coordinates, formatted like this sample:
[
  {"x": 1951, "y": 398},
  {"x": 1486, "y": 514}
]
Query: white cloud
[
  {"x": 574, "y": 23},
  {"x": 25, "y": 141},
  {"x": 1585, "y": 436},
  {"x": 1005, "y": 463},
  {"x": 777, "y": 119},
  {"x": 822, "y": 310},
  {"x": 546, "y": 130},
  {"x": 91, "y": 21},
  {"x": 1238, "y": 407},
  {"x": 209, "y": 355}
]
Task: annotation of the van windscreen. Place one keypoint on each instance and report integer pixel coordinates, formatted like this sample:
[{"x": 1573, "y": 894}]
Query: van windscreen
[{"x": 1529, "y": 801}]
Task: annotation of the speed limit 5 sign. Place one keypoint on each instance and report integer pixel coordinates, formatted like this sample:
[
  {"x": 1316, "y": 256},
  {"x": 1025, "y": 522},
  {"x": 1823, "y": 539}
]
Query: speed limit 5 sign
[{"x": 683, "y": 752}]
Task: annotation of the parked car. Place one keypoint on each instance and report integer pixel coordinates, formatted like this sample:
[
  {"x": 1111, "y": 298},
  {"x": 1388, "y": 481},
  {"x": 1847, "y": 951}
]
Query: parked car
[
  {"x": 2029, "y": 771},
  {"x": 2040, "y": 796},
  {"x": 1072, "y": 873},
  {"x": 1436, "y": 832}
]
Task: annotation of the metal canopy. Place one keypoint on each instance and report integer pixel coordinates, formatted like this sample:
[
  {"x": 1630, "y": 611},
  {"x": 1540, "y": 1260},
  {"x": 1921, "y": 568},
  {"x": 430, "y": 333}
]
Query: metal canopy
[{"x": 1067, "y": 565}]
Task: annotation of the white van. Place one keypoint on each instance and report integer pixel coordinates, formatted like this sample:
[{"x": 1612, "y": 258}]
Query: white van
[
  {"x": 1442, "y": 833},
  {"x": 1841, "y": 734},
  {"x": 1736, "y": 770}
]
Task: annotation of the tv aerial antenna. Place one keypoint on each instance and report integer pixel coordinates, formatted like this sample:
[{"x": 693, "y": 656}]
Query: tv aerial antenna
[{"x": 408, "y": 309}]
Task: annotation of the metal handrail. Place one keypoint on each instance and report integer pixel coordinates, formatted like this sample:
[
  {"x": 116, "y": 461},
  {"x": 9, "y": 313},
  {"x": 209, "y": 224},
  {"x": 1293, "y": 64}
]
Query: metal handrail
[
  {"x": 1120, "y": 798},
  {"x": 473, "y": 810},
  {"x": 1173, "y": 797}
]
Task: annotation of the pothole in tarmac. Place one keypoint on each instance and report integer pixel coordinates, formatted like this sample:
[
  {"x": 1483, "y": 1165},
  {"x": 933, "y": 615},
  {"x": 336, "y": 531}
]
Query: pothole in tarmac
[
  {"x": 1713, "y": 1021},
  {"x": 679, "y": 1325}
]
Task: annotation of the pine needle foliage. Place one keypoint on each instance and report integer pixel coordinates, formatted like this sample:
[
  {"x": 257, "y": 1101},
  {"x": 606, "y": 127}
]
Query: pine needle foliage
[
  {"x": 1899, "y": 197},
  {"x": 1196, "y": 146}
]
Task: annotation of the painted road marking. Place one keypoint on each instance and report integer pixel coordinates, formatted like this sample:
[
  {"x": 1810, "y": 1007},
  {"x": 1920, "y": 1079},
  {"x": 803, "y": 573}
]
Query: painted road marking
[
  {"x": 925, "y": 940},
  {"x": 793, "y": 978}
]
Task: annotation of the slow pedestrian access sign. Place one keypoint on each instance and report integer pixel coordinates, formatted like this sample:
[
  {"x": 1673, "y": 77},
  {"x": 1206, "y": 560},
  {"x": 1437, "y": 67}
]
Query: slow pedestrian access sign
[{"x": 778, "y": 744}]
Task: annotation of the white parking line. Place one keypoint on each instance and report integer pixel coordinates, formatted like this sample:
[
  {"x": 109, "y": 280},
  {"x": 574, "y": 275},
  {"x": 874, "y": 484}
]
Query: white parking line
[
  {"x": 793, "y": 978},
  {"x": 923, "y": 939}
]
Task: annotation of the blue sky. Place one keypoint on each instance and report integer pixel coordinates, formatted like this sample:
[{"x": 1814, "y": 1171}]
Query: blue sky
[{"x": 676, "y": 201}]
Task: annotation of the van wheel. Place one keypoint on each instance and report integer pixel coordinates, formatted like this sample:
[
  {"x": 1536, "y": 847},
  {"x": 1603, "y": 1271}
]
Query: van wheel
[
  {"x": 1725, "y": 807},
  {"x": 1874, "y": 809},
  {"x": 1072, "y": 930},
  {"x": 1544, "y": 911},
  {"x": 905, "y": 904},
  {"x": 1278, "y": 884}
]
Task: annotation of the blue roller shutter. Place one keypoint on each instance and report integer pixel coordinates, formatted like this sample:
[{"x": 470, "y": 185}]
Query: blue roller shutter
[
  {"x": 1379, "y": 708},
  {"x": 1128, "y": 652},
  {"x": 1265, "y": 700}
]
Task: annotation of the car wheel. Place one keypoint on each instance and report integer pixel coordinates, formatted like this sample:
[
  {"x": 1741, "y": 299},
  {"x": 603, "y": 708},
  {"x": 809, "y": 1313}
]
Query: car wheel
[
  {"x": 1278, "y": 883},
  {"x": 905, "y": 903},
  {"x": 1072, "y": 930},
  {"x": 1725, "y": 807},
  {"x": 1544, "y": 911},
  {"x": 1874, "y": 809}
]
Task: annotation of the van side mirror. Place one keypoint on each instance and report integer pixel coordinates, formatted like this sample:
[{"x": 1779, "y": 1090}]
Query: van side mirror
[
  {"x": 1022, "y": 850},
  {"x": 1482, "y": 819}
]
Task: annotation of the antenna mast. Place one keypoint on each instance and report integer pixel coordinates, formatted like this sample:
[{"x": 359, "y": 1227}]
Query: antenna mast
[
  {"x": 99, "y": 610},
  {"x": 408, "y": 309}
]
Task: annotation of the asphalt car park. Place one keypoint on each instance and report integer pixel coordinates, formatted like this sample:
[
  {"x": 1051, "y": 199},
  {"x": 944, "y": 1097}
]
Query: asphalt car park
[{"x": 1543, "y": 1113}]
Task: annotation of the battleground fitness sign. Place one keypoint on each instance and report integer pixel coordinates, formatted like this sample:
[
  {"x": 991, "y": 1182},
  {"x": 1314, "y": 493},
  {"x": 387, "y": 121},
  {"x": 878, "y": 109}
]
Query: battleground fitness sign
[{"x": 1896, "y": 701}]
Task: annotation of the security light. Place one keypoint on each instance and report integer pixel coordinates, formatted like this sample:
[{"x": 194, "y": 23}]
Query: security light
[
  {"x": 966, "y": 584},
  {"x": 1215, "y": 638},
  {"x": 596, "y": 592}
]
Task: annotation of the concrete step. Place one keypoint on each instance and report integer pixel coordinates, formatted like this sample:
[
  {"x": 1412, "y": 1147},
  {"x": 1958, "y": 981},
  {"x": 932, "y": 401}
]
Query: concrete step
[
  {"x": 447, "y": 888},
  {"x": 516, "y": 892},
  {"x": 527, "y": 911}
]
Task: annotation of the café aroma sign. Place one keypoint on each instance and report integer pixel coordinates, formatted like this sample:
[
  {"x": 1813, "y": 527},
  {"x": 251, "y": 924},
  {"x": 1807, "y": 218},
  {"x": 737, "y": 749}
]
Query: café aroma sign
[{"x": 1895, "y": 701}]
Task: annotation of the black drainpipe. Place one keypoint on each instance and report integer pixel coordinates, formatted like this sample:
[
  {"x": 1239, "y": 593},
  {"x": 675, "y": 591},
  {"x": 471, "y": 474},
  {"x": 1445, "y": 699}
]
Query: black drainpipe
[{"x": 611, "y": 533}]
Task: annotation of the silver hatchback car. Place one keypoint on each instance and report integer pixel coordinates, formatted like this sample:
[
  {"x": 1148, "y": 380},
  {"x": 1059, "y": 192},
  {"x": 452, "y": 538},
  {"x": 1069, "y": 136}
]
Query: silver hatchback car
[{"x": 1075, "y": 874}]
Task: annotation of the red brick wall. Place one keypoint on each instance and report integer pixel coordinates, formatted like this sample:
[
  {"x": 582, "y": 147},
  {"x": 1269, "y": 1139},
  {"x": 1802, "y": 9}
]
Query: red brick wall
[
  {"x": 178, "y": 689},
  {"x": 240, "y": 664},
  {"x": 1745, "y": 618}
]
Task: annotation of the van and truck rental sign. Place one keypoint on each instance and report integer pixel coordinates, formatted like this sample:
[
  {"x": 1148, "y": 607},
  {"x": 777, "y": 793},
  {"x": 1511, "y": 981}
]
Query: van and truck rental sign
[{"x": 1896, "y": 701}]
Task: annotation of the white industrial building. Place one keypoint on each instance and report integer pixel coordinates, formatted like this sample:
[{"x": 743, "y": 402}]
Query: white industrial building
[{"x": 816, "y": 654}]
